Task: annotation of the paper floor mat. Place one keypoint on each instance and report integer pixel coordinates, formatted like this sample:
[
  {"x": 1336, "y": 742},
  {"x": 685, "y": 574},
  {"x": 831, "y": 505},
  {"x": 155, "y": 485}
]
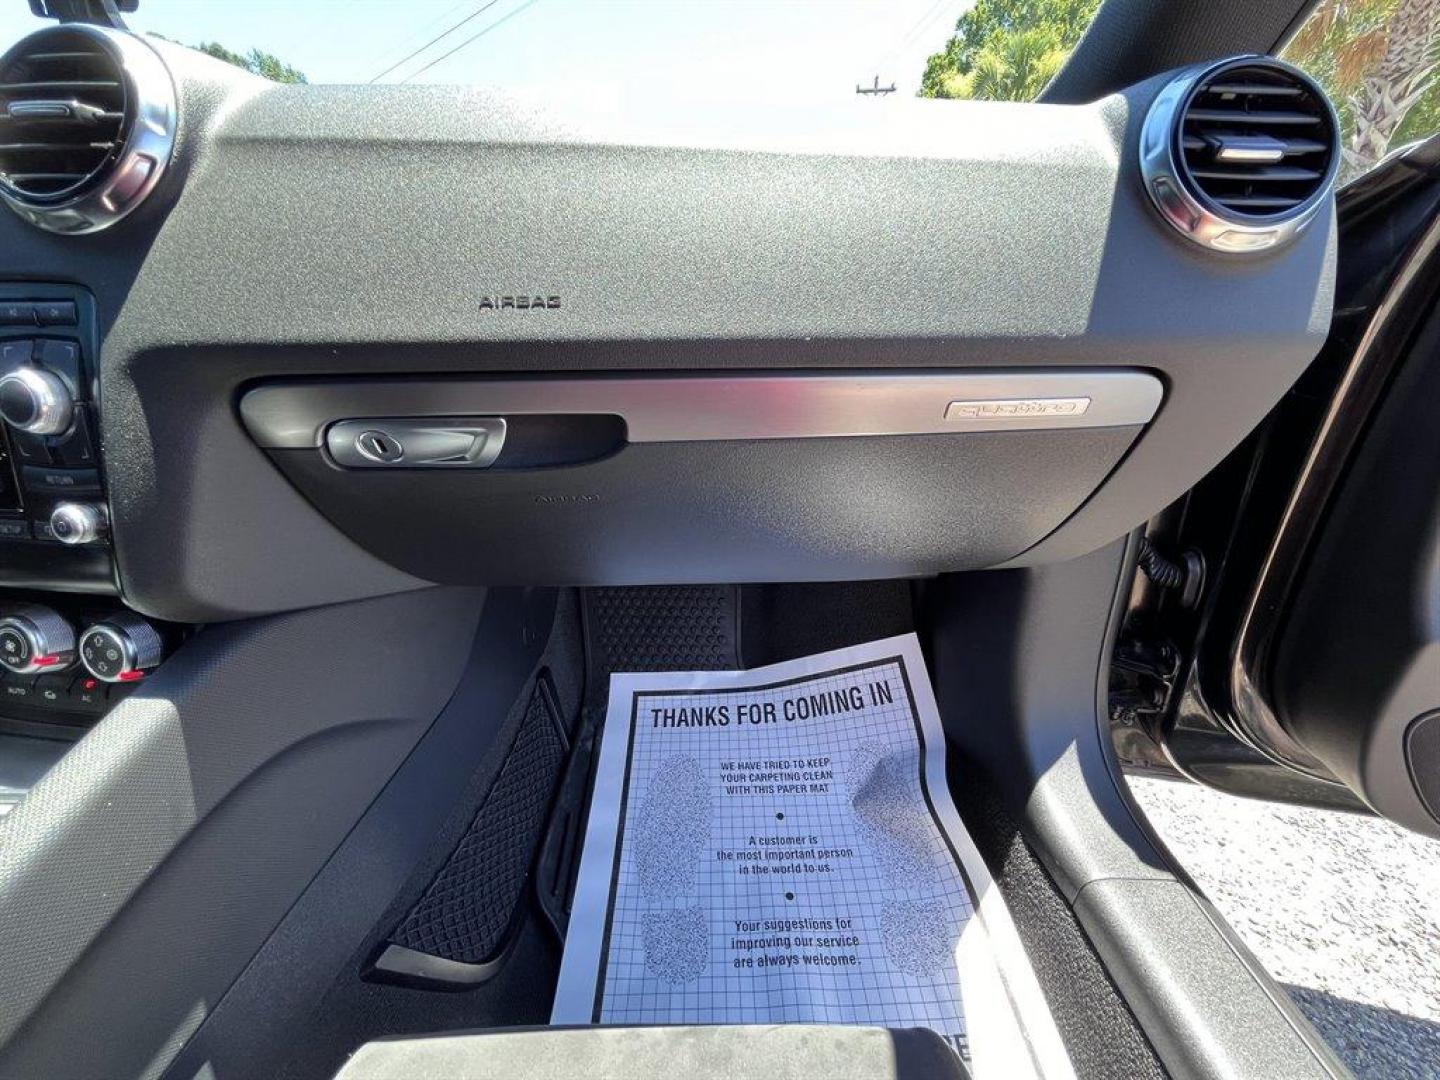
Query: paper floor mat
[{"x": 780, "y": 845}]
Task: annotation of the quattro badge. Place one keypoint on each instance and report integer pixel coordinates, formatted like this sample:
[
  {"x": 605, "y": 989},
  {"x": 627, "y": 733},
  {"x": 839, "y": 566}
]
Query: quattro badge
[{"x": 1017, "y": 408}]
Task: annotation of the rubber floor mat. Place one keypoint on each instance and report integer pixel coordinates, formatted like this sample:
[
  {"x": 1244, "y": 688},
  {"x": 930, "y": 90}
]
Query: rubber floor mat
[
  {"x": 648, "y": 628},
  {"x": 465, "y": 916}
]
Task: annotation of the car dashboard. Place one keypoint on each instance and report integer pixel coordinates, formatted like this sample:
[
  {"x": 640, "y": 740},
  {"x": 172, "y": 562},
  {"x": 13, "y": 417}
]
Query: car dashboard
[{"x": 682, "y": 345}]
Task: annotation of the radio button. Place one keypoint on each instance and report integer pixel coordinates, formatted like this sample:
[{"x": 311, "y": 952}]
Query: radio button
[
  {"x": 13, "y": 314},
  {"x": 63, "y": 358},
  {"x": 77, "y": 446},
  {"x": 53, "y": 481},
  {"x": 86, "y": 693},
  {"x": 56, "y": 313},
  {"x": 79, "y": 523},
  {"x": 18, "y": 687},
  {"x": 14, "y": 354},
  {"x": 29, "y": 449},
  {"x": 51, "y": 689}
]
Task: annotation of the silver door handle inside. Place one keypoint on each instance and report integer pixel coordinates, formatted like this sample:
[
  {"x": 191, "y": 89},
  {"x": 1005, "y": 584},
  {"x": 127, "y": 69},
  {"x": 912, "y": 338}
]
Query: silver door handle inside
[{"x": 416, "y": 443}]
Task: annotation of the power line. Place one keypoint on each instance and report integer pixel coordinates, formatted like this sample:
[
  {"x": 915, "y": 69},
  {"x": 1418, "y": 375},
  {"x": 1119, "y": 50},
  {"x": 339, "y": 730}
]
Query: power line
[
  {"x": 474, "y": 37},
  {"x": 401, "y": 44},
  {"x": 916, "y": 31},
  {"x": 921, "y": 25},
  {"x": 444, "y": 34}
]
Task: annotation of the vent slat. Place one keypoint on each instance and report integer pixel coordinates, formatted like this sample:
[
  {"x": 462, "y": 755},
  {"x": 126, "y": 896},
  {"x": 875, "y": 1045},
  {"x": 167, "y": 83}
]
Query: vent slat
[
  {"x": 34, "y": 147},
  {"x": 1259, "y": 202},
  {"x": 102, "y": 116},
  {"x": 32, "y": 178},
  {"x": 1254, "y": 89},
  {"x": 27, "y": 148},
  {"x": 1304, "y": 146},
  {"x": 1229, "y": 116},
  {"x": 1293, "y": 146},
  {"x": 69, "y": 119},
  {"x": 47, "y": 57},
  {"x": 1266, "y": 174},
  {"x": 58, "y": 84},
  {"x": 1256, "y": 141}
]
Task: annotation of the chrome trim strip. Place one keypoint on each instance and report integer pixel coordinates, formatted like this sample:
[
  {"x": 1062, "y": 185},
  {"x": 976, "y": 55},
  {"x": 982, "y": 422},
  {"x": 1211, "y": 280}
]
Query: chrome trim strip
[{"x": 659, "y": 409}]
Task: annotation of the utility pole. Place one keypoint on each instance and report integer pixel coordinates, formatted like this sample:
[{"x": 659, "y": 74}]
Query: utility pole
[{"x": 875, "y": 88}]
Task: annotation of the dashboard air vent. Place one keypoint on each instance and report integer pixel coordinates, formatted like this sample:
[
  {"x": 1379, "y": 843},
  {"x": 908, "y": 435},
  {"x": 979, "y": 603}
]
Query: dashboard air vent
[
  {"x": 64, "y": 117},
  {"x": 87, "y": 122},
  {"x": 1240, "y": 155}
]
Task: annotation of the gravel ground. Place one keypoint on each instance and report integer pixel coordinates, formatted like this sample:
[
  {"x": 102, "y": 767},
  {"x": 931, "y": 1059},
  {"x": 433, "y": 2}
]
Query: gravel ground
[{"x": 1343, "y": 910}]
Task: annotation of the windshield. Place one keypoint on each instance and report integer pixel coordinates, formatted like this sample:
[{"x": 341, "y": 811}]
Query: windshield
[{"x": 716, "y": 50}]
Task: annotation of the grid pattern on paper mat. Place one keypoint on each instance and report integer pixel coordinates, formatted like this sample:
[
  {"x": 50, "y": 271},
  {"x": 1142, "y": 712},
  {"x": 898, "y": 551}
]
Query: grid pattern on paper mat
[{"x": 877, "y": 991}]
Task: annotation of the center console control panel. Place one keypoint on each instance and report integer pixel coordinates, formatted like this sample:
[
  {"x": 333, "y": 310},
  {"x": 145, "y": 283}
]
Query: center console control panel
[
  {"x": 65, "y": 661},
  {"x": 54, "y": 524}
]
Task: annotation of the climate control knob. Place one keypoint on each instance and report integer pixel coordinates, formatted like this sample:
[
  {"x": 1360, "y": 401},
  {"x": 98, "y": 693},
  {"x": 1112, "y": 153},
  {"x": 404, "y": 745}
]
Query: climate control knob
[
  {"x": 36, "y": 400},
  {"x": 79, "y": 523},
  {"x": 35, "y": 638},
  {"x": 121, "y": 648}
]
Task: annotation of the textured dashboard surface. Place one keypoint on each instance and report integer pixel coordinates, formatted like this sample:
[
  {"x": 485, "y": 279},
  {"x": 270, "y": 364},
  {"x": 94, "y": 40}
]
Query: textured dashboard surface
[{"x": 338, "y": 231}]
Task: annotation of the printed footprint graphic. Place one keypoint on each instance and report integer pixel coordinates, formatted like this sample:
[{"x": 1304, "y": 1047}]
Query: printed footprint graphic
[
  {"x": 677, "y": 944},
  {"x": 917, "y": 936},
  {"x": 671, "y": 836},
  {"x": 894, "y": 827}
]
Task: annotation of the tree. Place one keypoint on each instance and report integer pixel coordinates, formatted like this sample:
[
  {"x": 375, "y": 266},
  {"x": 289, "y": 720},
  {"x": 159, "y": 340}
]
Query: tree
[
  {"x": 1007, "y": 50},
  {"x": 1405, "y": 73},
  {"x": 1377, "y": 61},
  {"x": 256, "y": 62}
]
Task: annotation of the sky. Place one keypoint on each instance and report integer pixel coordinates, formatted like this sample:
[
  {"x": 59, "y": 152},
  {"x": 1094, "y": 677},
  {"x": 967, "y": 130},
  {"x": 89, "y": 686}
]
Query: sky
[{"x": 716, "y": 50}]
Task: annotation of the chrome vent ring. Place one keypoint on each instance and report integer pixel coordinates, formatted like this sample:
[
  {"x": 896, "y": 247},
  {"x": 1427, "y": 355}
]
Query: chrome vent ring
[
  {"x": 87, "y": 126},
  {"x": 1240, "y": 155}
]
